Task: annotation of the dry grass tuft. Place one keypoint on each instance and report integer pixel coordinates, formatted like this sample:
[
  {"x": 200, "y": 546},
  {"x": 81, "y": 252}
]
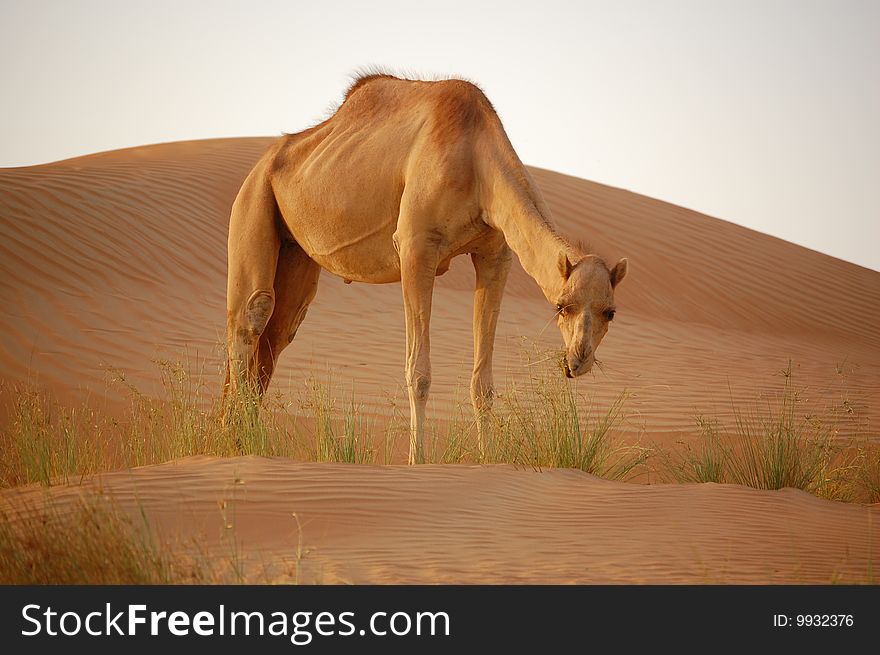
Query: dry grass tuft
[{"x": 90, "y": 543}]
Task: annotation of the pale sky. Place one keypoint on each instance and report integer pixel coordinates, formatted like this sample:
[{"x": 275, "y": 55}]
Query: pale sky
[{"x": 763, "y": 113}]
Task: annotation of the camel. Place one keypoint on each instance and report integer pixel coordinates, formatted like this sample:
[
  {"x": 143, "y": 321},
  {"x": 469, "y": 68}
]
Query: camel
[{"x": 404, "y": 176}]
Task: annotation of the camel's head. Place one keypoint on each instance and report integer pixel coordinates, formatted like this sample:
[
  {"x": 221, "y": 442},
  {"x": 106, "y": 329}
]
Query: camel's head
[{"x": 585, "y": 307}]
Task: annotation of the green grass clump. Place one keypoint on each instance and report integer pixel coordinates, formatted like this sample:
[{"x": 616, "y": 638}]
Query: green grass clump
[
  {"x": 544, "y": 423},
  {"x": 782, "y": 447},
  {"x": 188, "y": 419},
  {"x": 41, "y": 441},
  {"x": 775, "y": 445},
  {"x": 707, "y": 461},
  {"x": 545, "y": 426},
  {"x": 340, "y": 435}
]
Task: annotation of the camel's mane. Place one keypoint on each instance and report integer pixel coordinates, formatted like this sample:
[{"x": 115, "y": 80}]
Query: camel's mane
[{"x": 372, "y": 73}]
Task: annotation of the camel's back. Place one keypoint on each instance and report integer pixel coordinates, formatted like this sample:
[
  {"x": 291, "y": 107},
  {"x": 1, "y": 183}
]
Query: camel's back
[
  {"x": 390, "y": 119},
  {"x": 339, "y": 185},
  {"x": 444, "y": 108}
]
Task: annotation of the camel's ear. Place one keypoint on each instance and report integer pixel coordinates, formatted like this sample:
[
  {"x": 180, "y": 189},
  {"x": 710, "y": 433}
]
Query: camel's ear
[
  {"x": 618, "y": 272},
  {"x": 564, "y": 265}
]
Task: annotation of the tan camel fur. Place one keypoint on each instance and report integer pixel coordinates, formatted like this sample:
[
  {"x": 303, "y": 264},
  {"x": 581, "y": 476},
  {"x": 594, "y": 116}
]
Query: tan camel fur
[{"x": 402, "y": 178}]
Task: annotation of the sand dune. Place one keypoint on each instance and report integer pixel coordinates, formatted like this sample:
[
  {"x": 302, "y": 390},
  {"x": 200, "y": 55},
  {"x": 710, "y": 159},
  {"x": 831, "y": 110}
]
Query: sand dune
[
  {"x": 112, "y": 260},
  {"x": 488, "y": 524}
]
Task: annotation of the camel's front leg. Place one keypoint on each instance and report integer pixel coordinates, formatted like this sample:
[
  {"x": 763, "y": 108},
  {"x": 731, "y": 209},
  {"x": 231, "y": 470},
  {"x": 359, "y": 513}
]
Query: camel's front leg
[
  {"x": 491, "y": 275},
  {"x": 418, "y": 266}
]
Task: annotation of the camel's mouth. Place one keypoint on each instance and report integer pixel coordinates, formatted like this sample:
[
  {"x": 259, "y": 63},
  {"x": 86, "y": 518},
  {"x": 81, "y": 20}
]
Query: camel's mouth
[
  {"x": 566, "y": 369},
  {"x": 579, "y": 370}
]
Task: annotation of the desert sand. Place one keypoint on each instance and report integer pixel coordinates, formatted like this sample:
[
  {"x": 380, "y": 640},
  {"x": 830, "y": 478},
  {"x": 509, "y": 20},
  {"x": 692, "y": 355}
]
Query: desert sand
[
  {"x": 113, "y": 260},
  {"x": 487, "y": 524}
]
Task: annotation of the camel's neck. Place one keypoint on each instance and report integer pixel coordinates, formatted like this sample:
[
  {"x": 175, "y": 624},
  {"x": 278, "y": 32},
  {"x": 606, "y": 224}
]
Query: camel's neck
[{"x": 517, "y": 210}]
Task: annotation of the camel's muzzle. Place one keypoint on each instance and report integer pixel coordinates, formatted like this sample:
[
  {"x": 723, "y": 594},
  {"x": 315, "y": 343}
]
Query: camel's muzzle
[{"x": 578, "y": 367}]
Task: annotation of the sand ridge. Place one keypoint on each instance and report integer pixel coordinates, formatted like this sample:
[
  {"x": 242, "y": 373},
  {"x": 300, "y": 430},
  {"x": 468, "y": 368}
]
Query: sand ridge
[{"x": 487, "y": 524}]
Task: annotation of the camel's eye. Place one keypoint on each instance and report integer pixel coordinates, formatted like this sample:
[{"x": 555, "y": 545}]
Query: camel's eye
[
  {"x": 609, "y": 314},
  {"x": 560, "y": 309}
]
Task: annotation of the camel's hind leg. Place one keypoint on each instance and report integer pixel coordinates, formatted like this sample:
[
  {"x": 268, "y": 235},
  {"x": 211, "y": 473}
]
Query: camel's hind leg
[
  {"x": 250, "y": 294},
  {"x": 296, "y": 282}
]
